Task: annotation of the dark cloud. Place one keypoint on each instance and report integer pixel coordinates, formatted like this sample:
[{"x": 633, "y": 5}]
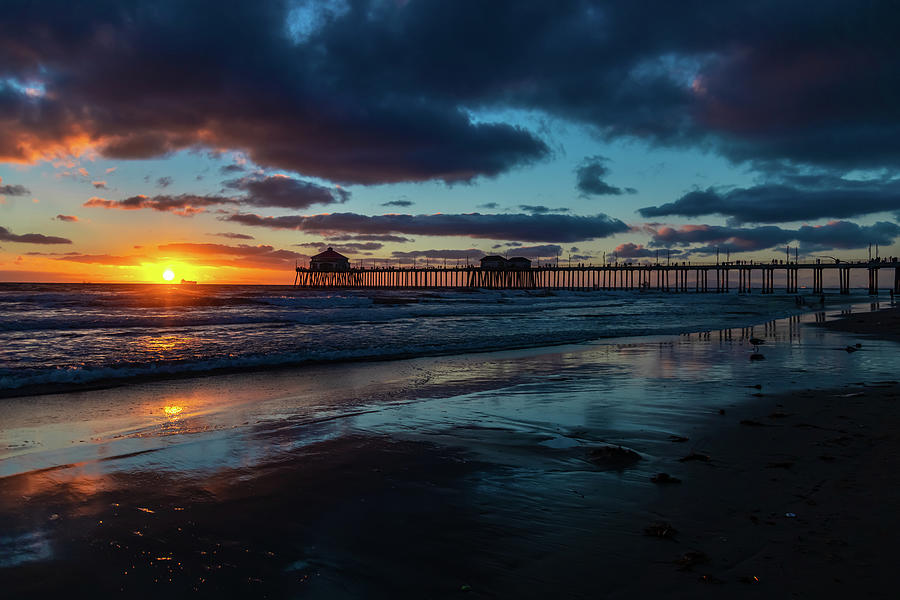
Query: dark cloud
[
  {"x": 276, "y": 190},
  {"x": 532, "y": 228},
  {"x": 164, "y": 182},
  {"x": 799, "y": 198},
  {"x": 539, "y": 209},
  {"x": 836, "y": 234},
  {"x": 100, "y": 185},
  {"x": 489, "y": 205},
  {"x": 67, "y": 218},
  {"x": 13, "y": 190},
  {"x": 351, "y": 248},
  {"x": 383, "y": 91},
  {"x": 239, "y": 250},
  {"x": 591, "y": 178},
  {"x": 240, "y": 256},
  {"x": 470, "y": 253},
  {"x": 105, "y": 259},
  {"x": 233, "y": 236},
  {"x": 398, "y": 203},
  {"x": 285, "y": 192},
  {"x": 371, "y": 238},
  {"x": 185, "y": 205},
  {"x": 148, "y": 79},
  {"x": 31, "y": 238},
  {"x": 629, "y": 250},
  {"x": 543, "y": 251},
  {"x": 232, "y": 169}
]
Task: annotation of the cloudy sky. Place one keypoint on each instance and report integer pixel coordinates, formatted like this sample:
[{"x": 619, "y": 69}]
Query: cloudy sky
[{"x": 228, "y": 140}]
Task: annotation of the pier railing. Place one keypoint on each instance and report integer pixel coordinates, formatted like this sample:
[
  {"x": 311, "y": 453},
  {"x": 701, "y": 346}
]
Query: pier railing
[{"x": 683, "y": 277}]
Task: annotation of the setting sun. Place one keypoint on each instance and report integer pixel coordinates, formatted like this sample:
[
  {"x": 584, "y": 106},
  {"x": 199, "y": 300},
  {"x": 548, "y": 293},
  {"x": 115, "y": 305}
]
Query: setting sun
[{"x": 168, "y": 275}]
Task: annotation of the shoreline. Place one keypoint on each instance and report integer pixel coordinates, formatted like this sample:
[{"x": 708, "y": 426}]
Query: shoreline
[
  {"x": 473, "y": 474},
  {"x": 202, "y": 372}
]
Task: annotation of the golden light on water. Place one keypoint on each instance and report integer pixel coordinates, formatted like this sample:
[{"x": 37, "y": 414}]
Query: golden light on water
[
  {"x": 173, "y": 411},
  {"x": 164, "y": 344},
  {"x": 168, "y": 275}
]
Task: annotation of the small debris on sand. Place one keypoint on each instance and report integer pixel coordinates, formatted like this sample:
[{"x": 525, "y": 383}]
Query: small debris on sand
[
  {"x": 695, "y": 456},
  {"x": 851, "y": 349},
  {"x": 678, "y": 438},
  {"x": 664, "y": 478},
  {"x": 661, "y": 529},
  {"x": 691, "y": 559},
  {"x": 613, "y": 457}
]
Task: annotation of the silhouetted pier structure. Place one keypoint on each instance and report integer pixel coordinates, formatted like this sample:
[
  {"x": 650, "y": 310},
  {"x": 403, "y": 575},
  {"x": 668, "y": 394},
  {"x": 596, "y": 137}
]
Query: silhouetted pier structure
[{"x": 742, "y": 277}]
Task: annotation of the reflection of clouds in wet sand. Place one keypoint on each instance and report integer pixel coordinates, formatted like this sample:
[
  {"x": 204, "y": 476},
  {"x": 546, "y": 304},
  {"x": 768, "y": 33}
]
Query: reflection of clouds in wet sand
[{"x": 27, "y": 547}]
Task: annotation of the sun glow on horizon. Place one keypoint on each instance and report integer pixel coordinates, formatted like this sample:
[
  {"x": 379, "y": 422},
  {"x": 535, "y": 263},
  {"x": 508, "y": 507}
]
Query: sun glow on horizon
[{"x": 168, "y": 275}]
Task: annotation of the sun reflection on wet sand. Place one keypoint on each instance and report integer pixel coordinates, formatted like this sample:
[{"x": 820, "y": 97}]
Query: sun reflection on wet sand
[{"x": 173, "y": 412}]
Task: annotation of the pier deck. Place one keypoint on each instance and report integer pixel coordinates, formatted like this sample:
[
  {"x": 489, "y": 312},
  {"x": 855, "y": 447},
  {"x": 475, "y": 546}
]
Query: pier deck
[{"x": 712, "y": 278}]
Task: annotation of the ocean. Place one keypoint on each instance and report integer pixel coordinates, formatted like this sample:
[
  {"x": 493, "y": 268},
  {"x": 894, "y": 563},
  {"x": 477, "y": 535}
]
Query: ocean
[{"x": 68, "y": 335}]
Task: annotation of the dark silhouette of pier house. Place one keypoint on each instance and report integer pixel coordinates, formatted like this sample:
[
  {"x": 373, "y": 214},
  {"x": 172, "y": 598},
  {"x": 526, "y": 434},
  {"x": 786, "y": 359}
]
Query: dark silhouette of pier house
[
  {"x": 329, "y": 260},
  {"x": 742, "y": 276}
]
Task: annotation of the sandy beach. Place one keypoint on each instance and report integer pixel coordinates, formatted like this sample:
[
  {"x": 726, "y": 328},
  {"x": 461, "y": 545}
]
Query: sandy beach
[
  {"x": 485, "y": 475},
  {"x": 884, "y": 324}
]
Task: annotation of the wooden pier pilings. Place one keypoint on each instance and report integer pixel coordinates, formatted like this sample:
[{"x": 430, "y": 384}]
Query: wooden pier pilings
[{"x": 670, "y": 278}]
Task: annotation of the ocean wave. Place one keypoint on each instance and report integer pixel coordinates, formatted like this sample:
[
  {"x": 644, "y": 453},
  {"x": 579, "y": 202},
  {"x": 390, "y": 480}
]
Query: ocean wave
[
  {"x": 307, "y": 310},
  {"x": 77, "y": 375},
  {"x": 70, "y": 336}
]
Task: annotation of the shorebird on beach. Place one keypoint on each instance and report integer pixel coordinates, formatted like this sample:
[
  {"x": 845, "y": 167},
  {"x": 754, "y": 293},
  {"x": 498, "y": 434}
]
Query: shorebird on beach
[{"x": 756, "y": 342}]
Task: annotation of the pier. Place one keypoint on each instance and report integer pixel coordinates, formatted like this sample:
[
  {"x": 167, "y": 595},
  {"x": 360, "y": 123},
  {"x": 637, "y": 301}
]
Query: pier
[{"x": 743, "y": 277}]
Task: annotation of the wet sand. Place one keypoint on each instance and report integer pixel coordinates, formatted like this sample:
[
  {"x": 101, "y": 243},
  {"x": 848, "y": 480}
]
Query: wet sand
[
  {"x": 884, "y": 324},
  {"x": 472, "y": 476}
]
